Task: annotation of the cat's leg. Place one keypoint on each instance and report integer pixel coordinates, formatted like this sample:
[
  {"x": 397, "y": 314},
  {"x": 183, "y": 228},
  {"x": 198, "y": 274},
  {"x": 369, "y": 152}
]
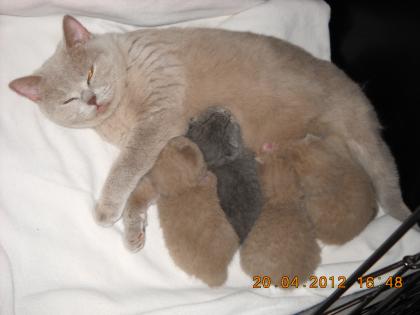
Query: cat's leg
[
  {"x": 137, "y": 157},
  {"x": 135, "y": 214},
  {"x": 282, "y": 243}
]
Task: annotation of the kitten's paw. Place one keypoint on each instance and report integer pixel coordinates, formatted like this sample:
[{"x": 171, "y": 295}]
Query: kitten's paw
[
  {"x": 106, "y": 215},
  {"x": 135, "y": 238}
]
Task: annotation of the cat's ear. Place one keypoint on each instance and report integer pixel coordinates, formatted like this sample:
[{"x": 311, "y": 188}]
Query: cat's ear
[
  {"x": 186, "y": 149},
  {"x": 189, "y": 154},
  {"x": 27, "y": 86},
  {"x": 74, "y": 32}
]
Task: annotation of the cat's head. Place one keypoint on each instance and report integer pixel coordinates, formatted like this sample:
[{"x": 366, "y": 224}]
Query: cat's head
[
  {"x": 179, "y": 167},
  {"x": 218, "y": 135},
  {"x": 79, "y": 85}
]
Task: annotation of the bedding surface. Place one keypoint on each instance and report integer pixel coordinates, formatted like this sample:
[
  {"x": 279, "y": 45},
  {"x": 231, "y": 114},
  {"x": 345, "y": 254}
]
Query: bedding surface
[
  {"x": 137, "y": 12},
  {"x": 55, "y": 260}
]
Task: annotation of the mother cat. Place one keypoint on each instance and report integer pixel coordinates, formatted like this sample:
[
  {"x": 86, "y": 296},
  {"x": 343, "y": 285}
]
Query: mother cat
[{"x": 139, "y": 89}]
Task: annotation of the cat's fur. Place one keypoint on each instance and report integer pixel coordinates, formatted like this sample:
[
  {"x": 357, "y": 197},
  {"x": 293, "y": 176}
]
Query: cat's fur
[
  {"x": 219, "y": 138},
  {"x": 198, "y": 236},
  {"x": 148, "y": 84}
]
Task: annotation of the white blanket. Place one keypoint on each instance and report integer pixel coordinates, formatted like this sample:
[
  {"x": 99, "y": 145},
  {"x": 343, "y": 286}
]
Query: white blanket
[
  {"x": 55, "y": 260},
  {"x": 137, "y": 12}
]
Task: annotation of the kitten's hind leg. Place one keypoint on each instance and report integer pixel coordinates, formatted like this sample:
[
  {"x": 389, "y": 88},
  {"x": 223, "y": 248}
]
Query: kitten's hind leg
[{"x": 135, "y": 215}]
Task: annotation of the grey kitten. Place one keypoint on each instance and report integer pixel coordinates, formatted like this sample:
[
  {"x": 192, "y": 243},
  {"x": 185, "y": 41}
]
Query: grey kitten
[{"x": 218, "y": 136}]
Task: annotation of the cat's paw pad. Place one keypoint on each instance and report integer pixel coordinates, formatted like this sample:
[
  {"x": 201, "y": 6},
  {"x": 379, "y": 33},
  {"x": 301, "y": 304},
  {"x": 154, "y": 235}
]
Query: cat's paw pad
[
  {"x": 106, "y": 216},
  {"x": 135, "y": 240}
]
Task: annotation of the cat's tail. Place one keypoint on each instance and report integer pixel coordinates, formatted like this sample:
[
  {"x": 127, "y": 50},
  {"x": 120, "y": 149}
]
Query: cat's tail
[
  {"x": 353, "y": 117},
  {"x": 369, "y": 149}
]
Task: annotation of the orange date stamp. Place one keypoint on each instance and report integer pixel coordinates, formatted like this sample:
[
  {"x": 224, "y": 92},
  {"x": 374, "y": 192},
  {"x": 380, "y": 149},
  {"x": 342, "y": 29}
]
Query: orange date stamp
[{"x": 322, "y": 282}]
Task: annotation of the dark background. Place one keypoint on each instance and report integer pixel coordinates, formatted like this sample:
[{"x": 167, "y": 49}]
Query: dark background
[{"x": 377, "y": 43}]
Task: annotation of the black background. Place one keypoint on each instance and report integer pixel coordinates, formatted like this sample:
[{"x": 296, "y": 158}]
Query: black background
[{"x": 377, "y": 43}]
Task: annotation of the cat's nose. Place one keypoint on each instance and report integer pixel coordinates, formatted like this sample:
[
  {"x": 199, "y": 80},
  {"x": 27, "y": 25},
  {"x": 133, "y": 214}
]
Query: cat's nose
[{"x": 92, "y": 100}]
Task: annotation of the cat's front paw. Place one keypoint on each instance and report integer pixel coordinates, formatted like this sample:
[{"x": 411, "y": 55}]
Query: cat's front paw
[
  {"x": 135, "y": 237},
  {"x": 106, "y": 214}
]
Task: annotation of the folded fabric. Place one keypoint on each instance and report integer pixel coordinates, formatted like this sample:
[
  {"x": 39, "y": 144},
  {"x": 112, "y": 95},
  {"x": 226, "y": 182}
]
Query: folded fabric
[{"x": 136, "y": 12}]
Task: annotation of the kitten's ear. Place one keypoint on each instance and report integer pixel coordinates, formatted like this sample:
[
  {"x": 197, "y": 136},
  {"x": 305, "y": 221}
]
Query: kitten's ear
[
  {"x": 27, "y": 86},
  {"x": 189, "y": 154},
  {"x": 74, "y": 32}
]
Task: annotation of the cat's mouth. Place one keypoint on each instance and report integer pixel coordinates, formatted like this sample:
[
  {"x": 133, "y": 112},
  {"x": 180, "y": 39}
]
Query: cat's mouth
[{"x": 100, "y": 108}]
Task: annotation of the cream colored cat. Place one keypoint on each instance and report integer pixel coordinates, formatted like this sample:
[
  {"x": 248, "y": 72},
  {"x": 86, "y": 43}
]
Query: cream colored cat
[{"x": 139, "y": 89}]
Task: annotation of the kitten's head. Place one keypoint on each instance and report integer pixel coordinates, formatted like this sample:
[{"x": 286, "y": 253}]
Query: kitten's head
[
  {"x": 218, "y": 136},
  {"x": 180, "y": 166},
  {"x": 79, "y": 85},
  {"x": 279, "y": 181}
]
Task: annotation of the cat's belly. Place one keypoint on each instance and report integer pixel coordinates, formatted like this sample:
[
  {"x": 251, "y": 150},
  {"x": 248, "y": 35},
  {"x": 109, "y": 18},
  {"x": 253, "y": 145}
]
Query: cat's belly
[{"x": 264, "y": 119}]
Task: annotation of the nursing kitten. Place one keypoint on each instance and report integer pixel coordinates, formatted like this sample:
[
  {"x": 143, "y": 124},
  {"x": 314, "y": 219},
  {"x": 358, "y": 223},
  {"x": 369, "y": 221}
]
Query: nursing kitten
[
  {"x": 219, "y": 138},
  {"x": 283, "y": 240},
  {"x": 139, "y": 90},
  {"x": 339, "y": 197},
  {"x": 199, "y": 238}
]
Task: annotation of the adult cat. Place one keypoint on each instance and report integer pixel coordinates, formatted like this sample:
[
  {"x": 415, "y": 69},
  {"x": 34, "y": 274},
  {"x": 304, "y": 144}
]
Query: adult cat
[{"x": 139, "y": 89}]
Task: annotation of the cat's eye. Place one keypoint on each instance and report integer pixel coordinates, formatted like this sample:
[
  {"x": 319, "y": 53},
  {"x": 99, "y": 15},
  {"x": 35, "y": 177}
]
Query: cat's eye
[
  {"x": 90, "y": 74},
  {"x": 70, "y": 100}
]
